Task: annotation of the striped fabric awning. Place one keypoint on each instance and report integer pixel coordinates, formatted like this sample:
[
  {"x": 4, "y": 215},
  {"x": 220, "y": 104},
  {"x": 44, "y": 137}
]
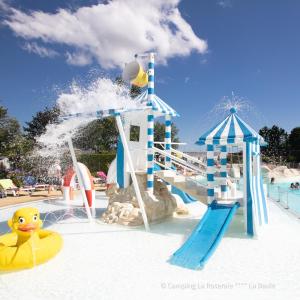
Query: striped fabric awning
[
  {"x": 232, "y": 130},
  {"x": 157, "y": 104}
]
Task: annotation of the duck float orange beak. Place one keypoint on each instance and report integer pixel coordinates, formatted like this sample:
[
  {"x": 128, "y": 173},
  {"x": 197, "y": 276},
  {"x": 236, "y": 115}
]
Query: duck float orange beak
[{"x": 28, "y": 244}]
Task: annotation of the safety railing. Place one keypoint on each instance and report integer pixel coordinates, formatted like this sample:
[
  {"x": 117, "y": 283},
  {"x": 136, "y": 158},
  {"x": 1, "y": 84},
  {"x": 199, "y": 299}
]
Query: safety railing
[
  {"x": 289, "y": 199},
  {"x": 283, "y": 197}
]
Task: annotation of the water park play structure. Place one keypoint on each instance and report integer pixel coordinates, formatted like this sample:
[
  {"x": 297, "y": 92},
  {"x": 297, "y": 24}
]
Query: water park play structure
[
  {"x": 186, "y": 177},
  {"x": 231, "y": 133},
  {"x": 28, "y": 245},
  {"x": 136, "y": 129}
]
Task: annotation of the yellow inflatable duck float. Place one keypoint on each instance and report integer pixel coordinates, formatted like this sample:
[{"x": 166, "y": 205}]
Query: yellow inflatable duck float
[{"x": 28, "y": 245}]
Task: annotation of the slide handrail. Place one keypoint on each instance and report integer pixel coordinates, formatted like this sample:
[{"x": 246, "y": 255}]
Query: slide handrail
[
  {"x": 179, "y": 161},
  {"x": 182, "y": 154},
  {"x": 190, "y": 178},
  {"x": 185, "y": 164}
]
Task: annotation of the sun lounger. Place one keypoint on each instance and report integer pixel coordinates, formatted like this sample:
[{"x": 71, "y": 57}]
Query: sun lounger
[
  {"x": 27, "y": 189},
  {"x": 41, "y": 187},
  {"x": 9, "y": 187}
]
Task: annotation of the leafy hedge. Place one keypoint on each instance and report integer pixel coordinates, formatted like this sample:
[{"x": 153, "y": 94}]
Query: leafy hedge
[{"x": 97, "y": 161}]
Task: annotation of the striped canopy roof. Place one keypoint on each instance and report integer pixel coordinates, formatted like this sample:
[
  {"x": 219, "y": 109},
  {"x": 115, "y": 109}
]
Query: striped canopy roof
[
  {"x": 157, "y": 104},
  {"x": 232, "y": 130}
]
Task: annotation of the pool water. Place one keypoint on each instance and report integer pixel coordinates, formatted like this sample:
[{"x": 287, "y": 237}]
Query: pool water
[{"x": 282, "y": 193}]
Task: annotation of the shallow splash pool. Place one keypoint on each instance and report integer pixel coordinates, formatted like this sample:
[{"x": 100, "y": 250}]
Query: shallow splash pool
[{"x": 101, "y": 261}]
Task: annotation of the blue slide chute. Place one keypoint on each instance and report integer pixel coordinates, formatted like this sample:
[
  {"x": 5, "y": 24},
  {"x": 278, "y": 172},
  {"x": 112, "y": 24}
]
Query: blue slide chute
[
  {"x": 205, "y": 238},
  {"x": 186, "y": 198}
]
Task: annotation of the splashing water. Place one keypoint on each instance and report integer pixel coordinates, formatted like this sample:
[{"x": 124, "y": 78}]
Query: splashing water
[
  {"x": 244, "y": 108},
  {"x": 238, "y": 103},
  {"x": 100, "y": 94}
]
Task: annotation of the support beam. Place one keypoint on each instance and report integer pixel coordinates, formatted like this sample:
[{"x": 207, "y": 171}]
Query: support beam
[
  {"x": 132, "y": 172},
  {"x": 245, "y": 196},
  {"x": 80, "y": 179},
  {"x": 150, "y": 125},
  {"x": 223, "y": 172},
  {"x": 210, "y": 174},
  {"x": 168, "y": 132}
]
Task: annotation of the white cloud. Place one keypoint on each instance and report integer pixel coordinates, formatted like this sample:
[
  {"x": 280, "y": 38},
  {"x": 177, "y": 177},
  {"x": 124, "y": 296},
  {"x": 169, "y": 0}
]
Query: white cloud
[
  {"x": 113, "y": 32},
  {"x": 186, "y": 79},
  {"x": 78, "y": 58},
  {"x": 39, "y": 50}
]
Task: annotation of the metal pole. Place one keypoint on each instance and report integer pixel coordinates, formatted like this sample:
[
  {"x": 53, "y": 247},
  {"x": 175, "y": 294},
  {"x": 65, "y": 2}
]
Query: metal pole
[
  {"x": 80, "y": 180},
  {"x": 132, "y": 173}
]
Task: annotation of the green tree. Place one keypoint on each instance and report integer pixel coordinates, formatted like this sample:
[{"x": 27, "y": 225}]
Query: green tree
[
  {"x": 277, "y": 139},
  {"x": 98, "y": 135},
  {"x": 37, "y": 126},
  {"x": 159, "y": 133},
  {"x": 9, "y": 130},
  {"x": 294, "y": 145},
  {"x": 13, "y": 144}
]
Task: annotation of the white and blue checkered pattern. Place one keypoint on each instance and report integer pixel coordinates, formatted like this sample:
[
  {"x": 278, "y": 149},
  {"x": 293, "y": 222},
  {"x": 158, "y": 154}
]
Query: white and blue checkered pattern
[
  {"x": 223, "y": 171},
  {"x": 210, "y": 172},
  {"x": 168, "y": 132},
  {"x": 150, "y": 125}
]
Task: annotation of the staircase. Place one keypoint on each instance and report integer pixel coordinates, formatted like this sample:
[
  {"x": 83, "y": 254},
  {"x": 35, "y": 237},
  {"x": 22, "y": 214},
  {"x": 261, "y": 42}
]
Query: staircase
[{"x": 184, "y": 183}]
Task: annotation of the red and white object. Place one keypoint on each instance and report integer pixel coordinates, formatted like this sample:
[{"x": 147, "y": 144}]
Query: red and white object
[{"x": 69, "y": 183}]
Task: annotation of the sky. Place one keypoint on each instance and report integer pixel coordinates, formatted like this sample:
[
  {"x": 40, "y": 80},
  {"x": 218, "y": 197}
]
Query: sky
[{"x": 206, "y": 49}]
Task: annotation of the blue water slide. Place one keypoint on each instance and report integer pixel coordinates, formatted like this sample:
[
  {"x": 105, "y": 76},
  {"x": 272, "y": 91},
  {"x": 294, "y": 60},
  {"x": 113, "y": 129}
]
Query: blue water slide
[
  {"x": 205, "y": 238},
  {"x": 186, "y": 198}
]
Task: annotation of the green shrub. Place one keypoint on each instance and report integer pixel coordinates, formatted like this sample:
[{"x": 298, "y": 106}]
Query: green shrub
[
  {"x": 3, "y": 172},
  {"x": 16, "y": 180},
  {"x": 97, "y": 161}
]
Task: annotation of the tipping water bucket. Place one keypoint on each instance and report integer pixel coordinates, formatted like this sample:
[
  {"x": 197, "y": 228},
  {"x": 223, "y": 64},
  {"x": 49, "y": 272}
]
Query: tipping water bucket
[{"x": 135, "y": 73}]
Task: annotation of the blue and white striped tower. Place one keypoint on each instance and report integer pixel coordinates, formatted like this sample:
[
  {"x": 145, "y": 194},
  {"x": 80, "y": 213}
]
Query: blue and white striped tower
[
  {"x": 234, "y": 131},
  {"x": 150, "y": 127},
  {"x": 210, "y": 173},
  {"x": 223, "y": 171},
  {"x": 168, "y": 131}
]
